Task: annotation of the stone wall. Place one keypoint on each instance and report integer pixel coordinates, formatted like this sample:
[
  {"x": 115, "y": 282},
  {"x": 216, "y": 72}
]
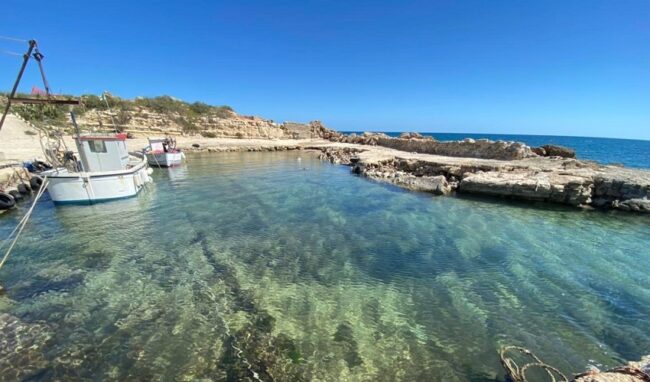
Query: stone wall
[{"x": 468, "y": 148}]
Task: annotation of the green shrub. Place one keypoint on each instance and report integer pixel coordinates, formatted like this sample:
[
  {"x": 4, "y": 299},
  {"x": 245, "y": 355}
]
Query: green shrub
[
  {"x": 223, "y": 111},
  {"x": 186, "y": 125},
  {"x": 184, "y": 113},
  {"x": 91, "y": 101},
  {"x": 122, "y": 118},
  {"x": 200, "y": 108},
  {"x": 163, "y": 104},
  {"x": 209, "y": 134},
  {"x": 41, "y": 113}
]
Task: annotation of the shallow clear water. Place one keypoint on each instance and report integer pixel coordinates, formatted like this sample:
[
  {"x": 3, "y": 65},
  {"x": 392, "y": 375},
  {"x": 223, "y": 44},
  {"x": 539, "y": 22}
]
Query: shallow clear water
[{"x": 317, "y": 274}]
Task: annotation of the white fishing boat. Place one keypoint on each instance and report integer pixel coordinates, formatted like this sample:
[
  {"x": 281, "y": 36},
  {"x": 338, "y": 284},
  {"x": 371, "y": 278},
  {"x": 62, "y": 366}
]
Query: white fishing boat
[
  {"x": 104, "y": 172},
  {"x": 162, "y": 152}
]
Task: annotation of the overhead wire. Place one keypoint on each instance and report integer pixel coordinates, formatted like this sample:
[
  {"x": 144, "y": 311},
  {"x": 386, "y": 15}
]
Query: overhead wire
[
  {"x": 10, "y": 53},
  {"x": 15, "y": 39}
]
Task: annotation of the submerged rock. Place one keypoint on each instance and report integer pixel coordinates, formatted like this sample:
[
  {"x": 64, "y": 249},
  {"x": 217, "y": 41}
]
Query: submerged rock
[
  {"x": 344, "y": 336},
  {"x": 21, "y": 344}
]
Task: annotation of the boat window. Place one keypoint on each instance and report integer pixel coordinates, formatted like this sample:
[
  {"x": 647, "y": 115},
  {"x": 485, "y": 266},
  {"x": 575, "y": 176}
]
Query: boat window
[{"x": 97, "y": 146}]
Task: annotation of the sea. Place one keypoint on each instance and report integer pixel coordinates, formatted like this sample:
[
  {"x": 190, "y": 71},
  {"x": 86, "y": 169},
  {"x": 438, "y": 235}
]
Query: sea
[
  {"x": 627, "y": 152},
  {"x": 277, "y": 266}
]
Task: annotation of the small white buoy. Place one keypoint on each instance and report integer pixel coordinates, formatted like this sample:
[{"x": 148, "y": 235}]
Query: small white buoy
[{"x": 299, "y": 159}]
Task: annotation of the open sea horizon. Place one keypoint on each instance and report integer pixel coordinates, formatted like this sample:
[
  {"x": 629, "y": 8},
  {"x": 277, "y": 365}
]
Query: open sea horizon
[{"x": 628, "y": 152}]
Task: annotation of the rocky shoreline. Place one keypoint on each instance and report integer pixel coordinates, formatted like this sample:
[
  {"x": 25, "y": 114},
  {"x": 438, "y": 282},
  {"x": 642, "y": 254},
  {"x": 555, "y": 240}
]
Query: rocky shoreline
[
  {"x": 531, "y": 177},
  {"x": 483, "y": 167},
  {"x": 560, "y": 180}
]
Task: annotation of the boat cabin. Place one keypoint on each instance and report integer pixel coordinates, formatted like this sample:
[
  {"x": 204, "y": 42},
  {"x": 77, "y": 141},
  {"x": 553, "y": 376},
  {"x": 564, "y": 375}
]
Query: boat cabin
[
  {"x": 102, "y": 152},
  {"x": 162, "y": 145}
]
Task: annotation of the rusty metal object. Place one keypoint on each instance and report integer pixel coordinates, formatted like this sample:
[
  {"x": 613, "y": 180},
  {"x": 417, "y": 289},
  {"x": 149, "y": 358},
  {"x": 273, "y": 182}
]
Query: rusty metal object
[{"x": 52, "y": 101}]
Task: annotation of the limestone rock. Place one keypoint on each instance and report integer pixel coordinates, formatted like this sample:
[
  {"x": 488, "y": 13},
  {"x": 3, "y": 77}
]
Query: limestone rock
[
  {"x": 636, "y": 205},
  {"x": 632, "y": 372},
  {"x": 436, "y": 185},
  {"x": 565, "y": 181},
  {"x": 21, "y": 354},
  {"x": 406, "y": 135},
  {"x": 539, "y": 151},
  {"x": 468, "y": 148},
  {"x": 558, "y": 151},
  {"x": 143, "y": 121},
  {"x": 565, "y": 189}
]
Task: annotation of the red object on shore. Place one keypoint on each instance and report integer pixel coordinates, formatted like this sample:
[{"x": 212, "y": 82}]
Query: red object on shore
[{"x": 37, "y": 91}]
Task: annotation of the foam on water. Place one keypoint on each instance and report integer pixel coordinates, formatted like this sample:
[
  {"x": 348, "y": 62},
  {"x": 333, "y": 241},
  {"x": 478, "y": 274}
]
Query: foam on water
[{"x": 316, "y": 274}]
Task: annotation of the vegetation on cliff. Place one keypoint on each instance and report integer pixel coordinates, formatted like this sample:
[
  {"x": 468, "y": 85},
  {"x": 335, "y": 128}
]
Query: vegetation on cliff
[
  {"x": 145, "y": 116},
  {"x": 123, "y": 110}
]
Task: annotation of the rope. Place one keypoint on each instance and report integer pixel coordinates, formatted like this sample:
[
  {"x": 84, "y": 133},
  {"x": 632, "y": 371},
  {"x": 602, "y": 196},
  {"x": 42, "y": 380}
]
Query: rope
[
  {"x": 21, "y": 225},
  {"x": 518, "y": 374},
  {"x": 15, "y": 39},
  {"x": 10, "y": 53},
  {"x": 155, "y": 158}
]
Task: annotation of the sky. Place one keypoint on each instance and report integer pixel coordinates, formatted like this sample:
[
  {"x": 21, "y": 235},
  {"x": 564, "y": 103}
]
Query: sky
[{"x": 515, "y": 67}]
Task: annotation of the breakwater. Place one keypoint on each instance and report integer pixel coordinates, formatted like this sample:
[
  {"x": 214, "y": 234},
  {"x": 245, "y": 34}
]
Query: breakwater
[{"x": 546, "y": 179}]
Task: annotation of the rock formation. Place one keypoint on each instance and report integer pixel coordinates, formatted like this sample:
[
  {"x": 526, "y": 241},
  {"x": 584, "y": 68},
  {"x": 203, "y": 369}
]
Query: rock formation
[
  {"x": 467, "y": 148},
  {"x": 21, "y": 353},
  {"x": 554, "y": 151},
  {"x": 144, "y": 122},
  {"x": 632, "y": 372},
  {"x": 557, "y": 180}
]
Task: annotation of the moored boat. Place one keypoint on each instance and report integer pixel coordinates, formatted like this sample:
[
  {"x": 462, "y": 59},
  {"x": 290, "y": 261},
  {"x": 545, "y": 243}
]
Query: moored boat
[
  {"x": 162, "y": 152},
  {"x": 104, "y": 172}
]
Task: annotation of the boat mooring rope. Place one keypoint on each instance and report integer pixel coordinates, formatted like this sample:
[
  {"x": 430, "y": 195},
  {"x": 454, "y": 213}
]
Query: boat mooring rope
[
  {"x": 15, "y": 39},
  {"x": 517, "y": 373},
  {"x": 21, "y": 224}
]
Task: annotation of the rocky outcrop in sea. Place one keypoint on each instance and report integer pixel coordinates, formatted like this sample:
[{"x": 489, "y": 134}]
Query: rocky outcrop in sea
[{"x": 518, "y": 173}]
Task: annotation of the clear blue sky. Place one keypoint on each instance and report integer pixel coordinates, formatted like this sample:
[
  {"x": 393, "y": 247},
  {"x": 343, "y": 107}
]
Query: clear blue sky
[{"x": 530, "y": 67}]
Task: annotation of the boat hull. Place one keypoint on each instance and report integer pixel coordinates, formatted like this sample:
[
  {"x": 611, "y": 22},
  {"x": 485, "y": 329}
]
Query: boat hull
[
  {"x": 164, "y": 159},
  {"x": 88, "y": 188}
]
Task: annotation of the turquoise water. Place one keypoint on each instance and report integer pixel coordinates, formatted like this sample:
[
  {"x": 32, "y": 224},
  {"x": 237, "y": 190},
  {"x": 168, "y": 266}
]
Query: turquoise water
[
  {"x": 317, "y": 274},
  {"x": 629, "y": 152}
]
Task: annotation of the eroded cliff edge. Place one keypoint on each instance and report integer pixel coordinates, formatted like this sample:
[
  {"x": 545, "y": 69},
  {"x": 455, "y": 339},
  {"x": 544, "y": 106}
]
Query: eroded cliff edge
[{"x": 503, "y": 169}]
